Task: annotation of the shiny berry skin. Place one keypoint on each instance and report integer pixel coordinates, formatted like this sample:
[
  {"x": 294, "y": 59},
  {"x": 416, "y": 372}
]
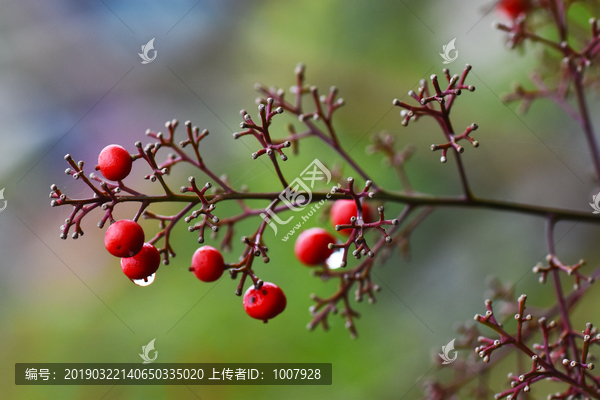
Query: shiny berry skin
[
  {"x": 207, "y": 264},
  {"x": 514, "y": 8},
  {"x": 143, "y": 264},
  {"x": 343, "y": 210},
  {"x": 264, "y": 303},
  {"x": 114, "y": 162},
  {"x": 124, "y": 238},
  {"x": 311, "y": 246}
]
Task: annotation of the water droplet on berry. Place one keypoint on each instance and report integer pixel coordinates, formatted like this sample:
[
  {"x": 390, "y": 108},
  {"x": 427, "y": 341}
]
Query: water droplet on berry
[
  {"x": 146, "y": 281},
  {"x": 335, "y": 259}
]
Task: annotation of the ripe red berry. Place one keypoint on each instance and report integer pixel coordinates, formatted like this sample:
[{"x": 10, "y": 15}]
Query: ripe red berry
[
  {"x": 264, "y": 303},
  {"x": 143, "y": 264},
  {"x": 343, "y": 210},
  {"x": 114, "y": 162},
  {"x": 124, "y": 238},
  {"x": 514, "y": 8},
  {"x": 311, "y": 246},
  {"x": 207, "y": 264}
]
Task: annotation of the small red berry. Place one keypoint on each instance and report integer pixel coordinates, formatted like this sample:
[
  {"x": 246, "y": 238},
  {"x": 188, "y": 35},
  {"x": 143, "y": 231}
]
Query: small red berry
[
  {"x": 114, "y": 162},
  {"x": 124, "y": 238},
  {"x": 207, "y": 264},
  {"x": 143, "y": 264},
  {"x": 264, "y": 303},
  {"x": 311, "y": 246},
  {"x": 343, "y": 210},
  {"x": 514, "y": 8}
]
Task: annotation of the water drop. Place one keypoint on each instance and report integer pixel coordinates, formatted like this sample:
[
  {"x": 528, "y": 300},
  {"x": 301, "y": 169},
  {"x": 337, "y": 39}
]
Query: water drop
[
  {"x": 335, "y": 259},
  {"x": 146, "y": 281}
]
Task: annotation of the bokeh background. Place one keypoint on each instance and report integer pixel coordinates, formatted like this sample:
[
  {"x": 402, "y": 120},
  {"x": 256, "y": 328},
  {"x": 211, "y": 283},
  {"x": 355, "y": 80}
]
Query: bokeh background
[{"x": 71, "y": 82}]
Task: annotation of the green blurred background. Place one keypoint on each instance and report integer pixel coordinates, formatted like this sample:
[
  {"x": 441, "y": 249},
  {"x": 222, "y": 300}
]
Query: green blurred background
[{"x": 71, "y": 82}]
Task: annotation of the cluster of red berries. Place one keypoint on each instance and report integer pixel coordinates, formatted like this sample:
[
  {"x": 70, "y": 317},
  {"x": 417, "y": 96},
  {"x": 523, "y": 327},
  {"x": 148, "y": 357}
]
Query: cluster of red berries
[
  {"x": 125, "y": 238},
  {"x": 139, "y": 260},
  {"x": 312, "y": 246}
]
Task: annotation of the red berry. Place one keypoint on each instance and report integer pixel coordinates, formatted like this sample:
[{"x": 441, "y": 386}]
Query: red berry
[
  {"x": 124, "y": 238},
  {"x": 114, "y": 162},
  {"x": 143, "y": 264},
  {"x": 264, "y": 303},
  {"x": 514, "y": 8},
  {"x": 311, "y": 246},
  {"x": 207, "y": 264},
  {"x": 343, "y": 210}
]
